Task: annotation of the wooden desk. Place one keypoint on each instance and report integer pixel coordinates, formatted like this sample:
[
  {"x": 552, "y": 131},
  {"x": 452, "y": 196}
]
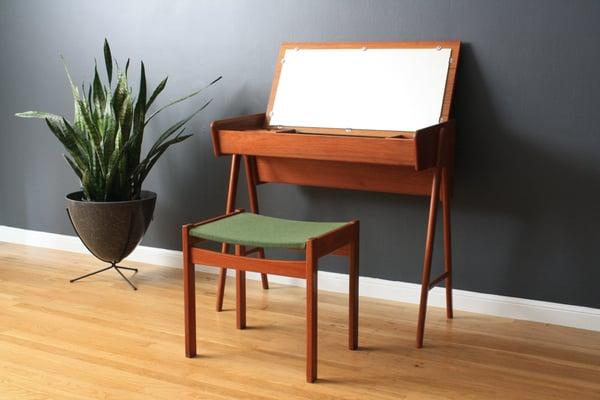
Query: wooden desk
[{"x": 415, "y": 163}]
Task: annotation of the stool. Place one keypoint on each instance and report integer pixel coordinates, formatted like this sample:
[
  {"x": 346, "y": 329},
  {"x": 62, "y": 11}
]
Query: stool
[{"x": 250, "y": 232}]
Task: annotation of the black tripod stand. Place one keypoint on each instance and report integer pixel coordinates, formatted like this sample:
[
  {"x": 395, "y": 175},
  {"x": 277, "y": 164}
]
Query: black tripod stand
[
  {"x": 113, "y": 264},
  {"x": 117, "y": 268}
]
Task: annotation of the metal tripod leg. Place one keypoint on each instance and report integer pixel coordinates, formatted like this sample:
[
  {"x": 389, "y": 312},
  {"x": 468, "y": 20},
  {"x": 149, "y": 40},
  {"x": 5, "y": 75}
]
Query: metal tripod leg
[
  {"x": 124, "y": 277},
  {"x": 113, "y": 264},
  {"x": 118, "y": 268},
  {"x": 127, "y": 268},
  {"x": 90, "y": 274}
]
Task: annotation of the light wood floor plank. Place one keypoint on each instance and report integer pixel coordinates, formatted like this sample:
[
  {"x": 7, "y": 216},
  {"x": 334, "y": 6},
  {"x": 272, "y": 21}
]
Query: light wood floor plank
[{"x": 98, "y": 339}]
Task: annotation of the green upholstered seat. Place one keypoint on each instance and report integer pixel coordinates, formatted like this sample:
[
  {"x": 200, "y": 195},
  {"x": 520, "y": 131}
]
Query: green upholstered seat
[{"x": 250, "y": 229}]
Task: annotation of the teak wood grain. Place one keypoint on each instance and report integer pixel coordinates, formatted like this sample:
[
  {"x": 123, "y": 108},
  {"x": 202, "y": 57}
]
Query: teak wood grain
[
  {"x": 388, "y": 151},
  {"x": 415, "y": 163},
  {"x": 343, "y": 175},
  {"x": 294, "y": 269}
]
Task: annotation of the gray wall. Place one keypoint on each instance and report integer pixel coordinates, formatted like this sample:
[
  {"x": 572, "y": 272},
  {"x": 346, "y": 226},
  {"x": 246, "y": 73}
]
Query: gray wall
[{"x": 527, "y": 183}]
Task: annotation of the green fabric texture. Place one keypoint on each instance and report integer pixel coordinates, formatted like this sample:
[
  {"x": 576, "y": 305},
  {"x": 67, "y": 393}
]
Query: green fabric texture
[{"x": 261, "y": 231}]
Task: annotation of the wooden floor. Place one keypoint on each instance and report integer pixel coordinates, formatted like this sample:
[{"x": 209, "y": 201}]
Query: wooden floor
[{"x": 98, "y": 339}]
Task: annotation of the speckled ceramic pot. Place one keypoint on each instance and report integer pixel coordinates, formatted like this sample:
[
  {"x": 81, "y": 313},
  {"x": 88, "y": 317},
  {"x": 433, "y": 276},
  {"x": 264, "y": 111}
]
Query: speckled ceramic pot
[{"x": 111, "y": 230}]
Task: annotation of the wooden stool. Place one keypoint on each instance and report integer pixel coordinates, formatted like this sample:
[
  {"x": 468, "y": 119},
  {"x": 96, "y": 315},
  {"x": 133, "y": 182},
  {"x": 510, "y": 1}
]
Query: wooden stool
[{"x": 244, "y": 230}]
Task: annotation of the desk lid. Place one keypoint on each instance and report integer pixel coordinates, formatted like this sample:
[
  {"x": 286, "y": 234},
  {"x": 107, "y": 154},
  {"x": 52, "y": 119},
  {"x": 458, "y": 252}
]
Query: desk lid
[{"x": 366, "y": 89}]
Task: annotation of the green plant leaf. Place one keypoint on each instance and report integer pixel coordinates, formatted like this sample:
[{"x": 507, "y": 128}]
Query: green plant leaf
[
  {"x": 95, "y": 138},
  {"x": 139, "y": 114},
  {"x": 89, "y": 124},
  {"x": 73, "y": 87},
  {"x": 123, "y": 105},
  {"x": 77, "y": 118},
  {"x": 108, "y": 61},
  {"x": 73, "y": 166},
  {"x": 110, "y": 126},
  {"x": 160, "y": 150},
  {"x": 60, "y": 130},
  {"x": 103, "y": 143},
  {"x": 152, "y": 158},
  {"x": 117, "y": 157},
  {"x": 86, "y": 186},
  {"x": 182, "y": 99},
  {"x": 98, "y": 95},
  {"x": 156, "y": 92},
  {"x": 175, "y": 127},
  {"x": 37, "y": 114},
  {"x": 89, "y": 95},
  {"x": 84, "y": 153}
]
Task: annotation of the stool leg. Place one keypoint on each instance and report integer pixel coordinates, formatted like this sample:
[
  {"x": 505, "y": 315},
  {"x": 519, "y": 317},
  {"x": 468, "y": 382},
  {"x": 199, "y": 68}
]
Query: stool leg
[
  {"x": 240, "y": 293},
  {"x": 311, "y": 314},
  {"x": 221, "y": 280},
  {"x": 189, "y": 299},
  {"x": 353, "y": 294},
  {"x": 263, "y": 277}
]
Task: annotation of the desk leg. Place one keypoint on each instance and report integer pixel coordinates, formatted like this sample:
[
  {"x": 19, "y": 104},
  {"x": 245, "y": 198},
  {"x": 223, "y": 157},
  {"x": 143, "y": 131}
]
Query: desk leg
[
  {"x": 253, "y": 200},
  {"x": 189, "y": 295},
  {"x": 353, "y": 292},
  {"x": 433, "y": 205},
  {"x": 229, "y": 208},
  {"x": 447, "y": 242},
  {"x": 311, "y": 313}
]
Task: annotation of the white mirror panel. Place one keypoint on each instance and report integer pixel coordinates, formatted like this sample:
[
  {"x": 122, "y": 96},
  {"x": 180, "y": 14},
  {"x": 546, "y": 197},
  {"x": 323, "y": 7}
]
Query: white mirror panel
[{"x": 379, "y": 89}]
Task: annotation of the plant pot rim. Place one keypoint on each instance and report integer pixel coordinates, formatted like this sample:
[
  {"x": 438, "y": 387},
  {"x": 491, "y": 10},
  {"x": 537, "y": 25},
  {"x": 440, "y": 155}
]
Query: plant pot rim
[{"x": 77, "y": 197}]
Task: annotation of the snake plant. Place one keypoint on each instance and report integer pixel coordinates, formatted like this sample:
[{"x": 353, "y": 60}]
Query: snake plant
[{"x": 104, "y": 141}]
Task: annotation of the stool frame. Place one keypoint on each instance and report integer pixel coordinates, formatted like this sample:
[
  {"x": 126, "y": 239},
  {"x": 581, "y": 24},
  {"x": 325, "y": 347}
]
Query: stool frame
[{"x": 343, "y": 241}]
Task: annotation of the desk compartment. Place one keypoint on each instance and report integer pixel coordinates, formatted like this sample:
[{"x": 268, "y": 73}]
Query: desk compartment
[{"x": 383, "y": 151}]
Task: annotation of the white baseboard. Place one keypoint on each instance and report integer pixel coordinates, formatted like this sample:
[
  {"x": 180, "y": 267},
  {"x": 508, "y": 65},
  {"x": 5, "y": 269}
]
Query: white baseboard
[{"x": 502, "y": 306}]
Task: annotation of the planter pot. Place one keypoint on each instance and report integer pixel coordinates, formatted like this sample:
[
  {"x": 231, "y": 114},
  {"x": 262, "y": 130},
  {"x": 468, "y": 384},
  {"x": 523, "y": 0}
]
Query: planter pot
[{"x": 111, "y": 230}]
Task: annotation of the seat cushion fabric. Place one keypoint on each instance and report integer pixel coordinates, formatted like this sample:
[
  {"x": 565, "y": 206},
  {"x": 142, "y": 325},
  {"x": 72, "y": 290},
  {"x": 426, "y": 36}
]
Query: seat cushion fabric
[{"x": 256, "y": 230}]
